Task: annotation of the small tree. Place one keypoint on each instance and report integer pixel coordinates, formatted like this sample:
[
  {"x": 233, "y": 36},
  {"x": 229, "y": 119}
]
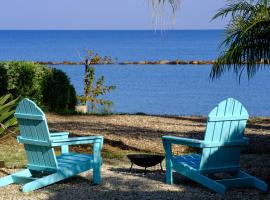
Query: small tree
[{"x": 93, "y": 90}]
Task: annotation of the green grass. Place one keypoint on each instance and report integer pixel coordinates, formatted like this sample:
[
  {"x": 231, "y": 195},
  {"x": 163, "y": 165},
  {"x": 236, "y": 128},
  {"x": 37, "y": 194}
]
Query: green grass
[{"x": 13, "y": 155}]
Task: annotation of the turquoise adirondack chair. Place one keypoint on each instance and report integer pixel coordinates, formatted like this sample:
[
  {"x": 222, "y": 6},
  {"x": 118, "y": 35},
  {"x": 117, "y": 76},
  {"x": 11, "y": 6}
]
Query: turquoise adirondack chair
[
  {"x": 44, "y": 167},
  {"x": 221, "y": 146}
]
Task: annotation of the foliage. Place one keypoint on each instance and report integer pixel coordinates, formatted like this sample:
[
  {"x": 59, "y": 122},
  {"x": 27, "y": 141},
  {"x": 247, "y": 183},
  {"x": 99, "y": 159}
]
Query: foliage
[
  {"x": 3, "y": 80},
  {"x": 161, "y": 9},
  {"x": 247, "y": 43},
  {"x": 93, "y": 90},
  {"x": 7, "y": 109},
  {"x": 174, "y": 3},
  {"x": 95, "y": 58},
  {"x": 58, "y": 94},
  {"x": 25, "y": 79},
  {"x": 48, "y": 87}
]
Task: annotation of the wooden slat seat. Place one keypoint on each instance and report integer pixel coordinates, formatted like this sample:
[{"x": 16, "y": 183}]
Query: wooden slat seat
[
  {"x": 190, "y": 160},
  {"x": 74, "y": 160}
]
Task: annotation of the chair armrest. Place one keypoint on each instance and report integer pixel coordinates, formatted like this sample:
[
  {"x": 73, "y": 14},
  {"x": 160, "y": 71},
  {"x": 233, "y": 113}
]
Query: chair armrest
[
  {"x": 183, "y": 141},
  {"x": 61, "y": 135},
  {"x": 55, "y": 135},
  {"x": 77, "y": 140}
]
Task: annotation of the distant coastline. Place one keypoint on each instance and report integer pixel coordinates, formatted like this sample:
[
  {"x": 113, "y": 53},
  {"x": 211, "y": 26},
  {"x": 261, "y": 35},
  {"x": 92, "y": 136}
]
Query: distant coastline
[{"x": 144, "y": 62}]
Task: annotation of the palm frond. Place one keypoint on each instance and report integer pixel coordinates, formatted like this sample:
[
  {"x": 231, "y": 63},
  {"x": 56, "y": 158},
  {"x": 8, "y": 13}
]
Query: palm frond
[
  {"x": 242, "y": 7},
  {"x": 247, "y": 43},
  {"x": 7, "y": 109}
]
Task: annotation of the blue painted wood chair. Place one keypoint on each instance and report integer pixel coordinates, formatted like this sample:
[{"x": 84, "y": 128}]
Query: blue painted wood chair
[
  {"x": 224, "y": 137},
  {"x": 42, "y": 161}
]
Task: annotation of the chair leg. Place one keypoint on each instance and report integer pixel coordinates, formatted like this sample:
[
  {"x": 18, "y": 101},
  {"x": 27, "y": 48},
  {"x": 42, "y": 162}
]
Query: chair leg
[
  {"x": 97, "y": 162},
  {"x": 169, "y": 165},
  {"x": 130, "y": 168},
  {"x": 257, "y": 183},
  {"x": 7, "y": 180},
  {"x": 45, "y": 181},
  {"x": 97, "y": 174},
  {"x": 161, "y": 167},
  {"x": 169, "y": 174},
  {"x": 209, "y": 183},
  {"x": 202, "y": 179}
]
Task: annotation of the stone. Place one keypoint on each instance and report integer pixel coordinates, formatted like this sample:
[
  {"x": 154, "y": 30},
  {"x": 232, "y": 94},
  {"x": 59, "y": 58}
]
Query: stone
[
  {"x": 81, "y": 109},
  {"x": 142, "y": 62},
  {"x": 164, "y": 62}
]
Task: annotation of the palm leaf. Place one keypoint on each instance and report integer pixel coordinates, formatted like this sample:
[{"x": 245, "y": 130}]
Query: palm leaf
[
  {"x": 7, "y": 109},
  {"x": 247, "y": 43}
]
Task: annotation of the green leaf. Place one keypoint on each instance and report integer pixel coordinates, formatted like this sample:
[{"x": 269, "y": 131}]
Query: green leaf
[
  {"x": 7, "y": 109},
  {"x": 247, "y": 43}
]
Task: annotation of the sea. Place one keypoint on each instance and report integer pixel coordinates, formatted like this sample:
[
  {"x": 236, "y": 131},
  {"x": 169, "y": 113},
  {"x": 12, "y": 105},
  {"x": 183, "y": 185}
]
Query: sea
[{"x": 150, "y": 89}]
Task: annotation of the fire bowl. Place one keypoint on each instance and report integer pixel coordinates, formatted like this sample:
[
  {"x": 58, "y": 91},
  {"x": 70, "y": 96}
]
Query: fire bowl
[{"x": 145, "y": 160}]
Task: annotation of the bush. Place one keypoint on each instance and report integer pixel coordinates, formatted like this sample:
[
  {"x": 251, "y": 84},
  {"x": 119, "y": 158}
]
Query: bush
[
  {"x": 25, "y": 79},
  {"x": 3, "y": 80},
  {"x": 58, "y": 94},
  {"x": 49, "y": 88}
]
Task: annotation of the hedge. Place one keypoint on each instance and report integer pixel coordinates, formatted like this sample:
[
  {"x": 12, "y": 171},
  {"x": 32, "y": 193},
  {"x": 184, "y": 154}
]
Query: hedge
[{"x": 48, "y": 87}]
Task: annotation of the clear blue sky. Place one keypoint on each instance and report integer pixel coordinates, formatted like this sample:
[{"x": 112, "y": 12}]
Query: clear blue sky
[{"x": 103, "y": 14}]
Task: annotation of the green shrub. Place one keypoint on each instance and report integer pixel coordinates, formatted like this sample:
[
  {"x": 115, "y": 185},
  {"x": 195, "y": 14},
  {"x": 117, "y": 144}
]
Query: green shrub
[
  {"x": 3, "y": 80},
  {"x": 49, "y": 88},
  {"x": 26, "y": 79},
  {"x": 59, "y": 95},
  {"x": 72, "y": 98}
]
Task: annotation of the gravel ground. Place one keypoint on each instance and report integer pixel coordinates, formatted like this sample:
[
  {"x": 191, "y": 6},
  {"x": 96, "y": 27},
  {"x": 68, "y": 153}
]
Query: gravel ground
[
  {"x": 143, "y": 133},
  {"x": 118, "y": 184},
  {"x": 136, "y": 133}
]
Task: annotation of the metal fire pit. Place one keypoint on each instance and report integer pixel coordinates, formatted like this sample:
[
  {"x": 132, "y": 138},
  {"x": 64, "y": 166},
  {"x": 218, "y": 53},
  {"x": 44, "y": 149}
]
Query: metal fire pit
[{"x": 145, "y": 160}]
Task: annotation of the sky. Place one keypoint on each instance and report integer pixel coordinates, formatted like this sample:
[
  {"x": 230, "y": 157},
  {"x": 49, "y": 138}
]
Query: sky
[{"x": 105, "y": 14}]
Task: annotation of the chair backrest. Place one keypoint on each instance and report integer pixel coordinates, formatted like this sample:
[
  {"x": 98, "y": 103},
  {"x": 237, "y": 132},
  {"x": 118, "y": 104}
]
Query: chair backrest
[
  {"x": 35, "y": 136},
  {"x": 226, "y": 124}
]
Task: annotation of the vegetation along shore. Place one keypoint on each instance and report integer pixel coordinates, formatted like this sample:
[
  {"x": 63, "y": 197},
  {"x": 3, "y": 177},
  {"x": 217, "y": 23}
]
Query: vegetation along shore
[{"x": 142, "y": 62}]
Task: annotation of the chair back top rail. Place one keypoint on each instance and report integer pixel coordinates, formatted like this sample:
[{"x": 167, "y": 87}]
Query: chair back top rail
[{"x": 226, "y": 125}]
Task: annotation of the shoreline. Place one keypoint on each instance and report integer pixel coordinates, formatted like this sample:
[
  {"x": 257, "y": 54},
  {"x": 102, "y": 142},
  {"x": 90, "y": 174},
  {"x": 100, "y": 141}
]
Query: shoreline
[{"x": 143, "y": 62}]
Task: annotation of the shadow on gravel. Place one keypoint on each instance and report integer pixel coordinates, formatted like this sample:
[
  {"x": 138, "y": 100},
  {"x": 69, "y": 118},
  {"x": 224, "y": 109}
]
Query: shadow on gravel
[
  {"x": 151, "y": 186},
  {"x": 118, "y": 130},
  {"x": 259, "y": 143}
]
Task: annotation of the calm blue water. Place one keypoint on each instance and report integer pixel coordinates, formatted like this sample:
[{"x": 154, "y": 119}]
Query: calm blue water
[
  {"x": 179, "y": 90},
  {"x": 156, "y": 89},
  {"x": 124, "y": 45}
]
